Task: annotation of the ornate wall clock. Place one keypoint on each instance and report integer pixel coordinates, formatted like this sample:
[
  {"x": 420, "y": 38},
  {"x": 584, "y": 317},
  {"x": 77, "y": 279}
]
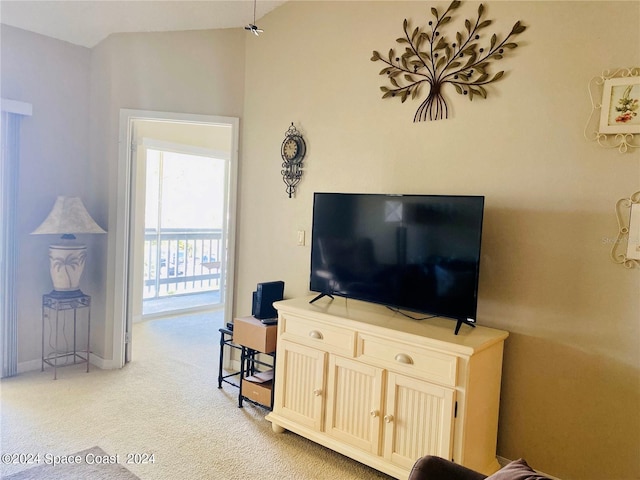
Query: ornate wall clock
[{"x": 293, "y": 151}]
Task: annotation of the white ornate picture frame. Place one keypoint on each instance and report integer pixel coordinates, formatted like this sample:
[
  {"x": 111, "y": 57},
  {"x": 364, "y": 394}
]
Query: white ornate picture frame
[
  {"x": 620, "y": 106},
  {"x": 615, "y": 109},
  {"x": 626, "y": 246}
]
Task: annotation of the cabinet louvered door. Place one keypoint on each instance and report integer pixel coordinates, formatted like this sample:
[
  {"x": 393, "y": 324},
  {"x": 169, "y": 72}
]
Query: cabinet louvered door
[
  {"x": 418, "y": 420},
  {"x": 300, "y": 393},
  {"x": 354, "y": 403}
]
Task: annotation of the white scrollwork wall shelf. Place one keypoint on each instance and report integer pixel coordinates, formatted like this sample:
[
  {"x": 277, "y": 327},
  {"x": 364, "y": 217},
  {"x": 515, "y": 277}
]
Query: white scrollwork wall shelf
[
  {"x": 621, "y": 139},
  {"x": 626, "y": 247}
]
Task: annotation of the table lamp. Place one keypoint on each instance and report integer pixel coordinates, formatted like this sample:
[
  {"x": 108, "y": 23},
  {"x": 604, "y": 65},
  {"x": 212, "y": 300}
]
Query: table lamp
[{"x": 68, "y": 217}]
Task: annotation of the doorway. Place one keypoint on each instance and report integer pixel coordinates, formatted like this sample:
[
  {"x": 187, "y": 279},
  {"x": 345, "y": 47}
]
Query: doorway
[
  {"x": 184, "y": 212},
  {"x": 176, "y": 242}
]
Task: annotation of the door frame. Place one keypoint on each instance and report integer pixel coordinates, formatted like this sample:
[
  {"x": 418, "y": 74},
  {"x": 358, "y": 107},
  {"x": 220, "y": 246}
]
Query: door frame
[
  {"x": 123, "y": 317},
  {"x": 143, "y": 145}
]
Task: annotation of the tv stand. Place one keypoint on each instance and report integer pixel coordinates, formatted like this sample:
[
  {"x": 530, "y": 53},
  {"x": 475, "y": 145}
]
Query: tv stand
[
  {"x": 384, "y": 389},
  {"x": 318, "y": 297}
]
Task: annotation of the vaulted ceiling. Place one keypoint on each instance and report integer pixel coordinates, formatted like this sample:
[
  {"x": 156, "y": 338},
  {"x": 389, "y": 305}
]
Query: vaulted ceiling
[{"x": 86, "y": 23}]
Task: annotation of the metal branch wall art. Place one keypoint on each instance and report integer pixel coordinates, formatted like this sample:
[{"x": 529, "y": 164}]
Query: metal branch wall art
[{"x": 432, "y": 60}]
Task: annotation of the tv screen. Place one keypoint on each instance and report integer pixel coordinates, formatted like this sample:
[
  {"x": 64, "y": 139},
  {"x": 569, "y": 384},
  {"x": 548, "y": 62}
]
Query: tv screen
[{"x": 412, "y": 252}]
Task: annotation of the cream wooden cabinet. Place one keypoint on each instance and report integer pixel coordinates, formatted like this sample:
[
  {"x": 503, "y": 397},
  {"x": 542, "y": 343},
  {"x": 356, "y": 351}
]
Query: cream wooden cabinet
[{"x": 384, "y": 389}]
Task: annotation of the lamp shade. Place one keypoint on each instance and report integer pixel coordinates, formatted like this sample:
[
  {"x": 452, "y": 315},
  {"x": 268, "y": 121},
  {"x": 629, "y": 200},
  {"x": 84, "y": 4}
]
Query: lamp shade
[
  {"x": 66, "y": 259},
  {"x": 68, "y": 217}
]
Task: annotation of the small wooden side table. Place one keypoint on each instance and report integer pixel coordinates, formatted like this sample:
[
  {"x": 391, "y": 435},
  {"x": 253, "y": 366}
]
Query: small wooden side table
[{"x": 57, "y": 305}]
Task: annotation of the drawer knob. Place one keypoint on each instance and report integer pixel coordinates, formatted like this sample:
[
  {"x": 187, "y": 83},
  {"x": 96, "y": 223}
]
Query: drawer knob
[
  {"x": 404, "y": 358},
  {"x": 388, "y": 418},
  {"x": 317, "y": 392},
  {"x": 374, "y": 413},
  {"x": 316, "y": 334}
]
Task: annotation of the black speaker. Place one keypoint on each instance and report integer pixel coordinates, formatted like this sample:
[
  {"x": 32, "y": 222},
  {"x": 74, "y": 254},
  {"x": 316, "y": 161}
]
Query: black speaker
[{"x": 263, "y": 298}]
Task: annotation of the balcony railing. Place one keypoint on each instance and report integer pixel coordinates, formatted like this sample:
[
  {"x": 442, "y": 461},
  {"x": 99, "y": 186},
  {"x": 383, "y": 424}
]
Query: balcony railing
[{"x": 181, "y": 261}]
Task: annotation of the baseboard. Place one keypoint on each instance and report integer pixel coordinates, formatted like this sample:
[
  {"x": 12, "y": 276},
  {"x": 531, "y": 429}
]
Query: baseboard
[
  {"x": 504, "y": 461},
  {"x": 103, "y": 363},
  {"x": 30, "y": 366},
  {"x": 97, "y": 361}
]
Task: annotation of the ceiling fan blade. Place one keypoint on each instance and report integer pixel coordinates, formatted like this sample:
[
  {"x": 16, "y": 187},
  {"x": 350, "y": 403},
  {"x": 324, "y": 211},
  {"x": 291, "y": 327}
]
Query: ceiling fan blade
[{"x": 253, "y": 29}]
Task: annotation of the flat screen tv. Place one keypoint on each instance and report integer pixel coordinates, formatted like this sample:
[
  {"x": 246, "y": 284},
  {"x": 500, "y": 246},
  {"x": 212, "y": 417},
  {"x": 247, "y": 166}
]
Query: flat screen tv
[{"x": 419, "y": 253}]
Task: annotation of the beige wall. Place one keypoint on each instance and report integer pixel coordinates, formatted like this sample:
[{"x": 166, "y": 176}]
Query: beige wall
[
  {"x": 571, "y": 396},
  {"x": 54, "y": 147},
  {"x": 70, "y": 144},
  {"x": 215, "y": 138},
  {"x": 196, "y": 72}
]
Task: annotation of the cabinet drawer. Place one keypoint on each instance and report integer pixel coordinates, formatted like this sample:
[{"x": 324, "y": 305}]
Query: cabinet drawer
[
  {"x": 410, "y": 359},
  {"x": 317, "y": 334}
]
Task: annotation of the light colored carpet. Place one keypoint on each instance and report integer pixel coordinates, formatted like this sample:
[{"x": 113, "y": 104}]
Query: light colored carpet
[
  {"x": 92, "y": 463},
  {"x": 166, "y": 403}
]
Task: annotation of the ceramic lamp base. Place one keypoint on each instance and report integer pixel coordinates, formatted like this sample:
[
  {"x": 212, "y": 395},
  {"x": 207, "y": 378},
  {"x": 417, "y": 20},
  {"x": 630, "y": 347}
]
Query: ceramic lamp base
[{"x": 66, "y": 264}]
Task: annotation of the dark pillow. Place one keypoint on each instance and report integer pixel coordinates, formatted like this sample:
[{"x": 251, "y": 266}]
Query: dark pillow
[{"x": 517, "y": 470}]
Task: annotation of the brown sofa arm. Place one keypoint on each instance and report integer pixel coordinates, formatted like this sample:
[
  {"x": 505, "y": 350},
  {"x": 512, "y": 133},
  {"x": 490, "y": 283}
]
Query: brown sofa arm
[{"x": 435, "y": 468}]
